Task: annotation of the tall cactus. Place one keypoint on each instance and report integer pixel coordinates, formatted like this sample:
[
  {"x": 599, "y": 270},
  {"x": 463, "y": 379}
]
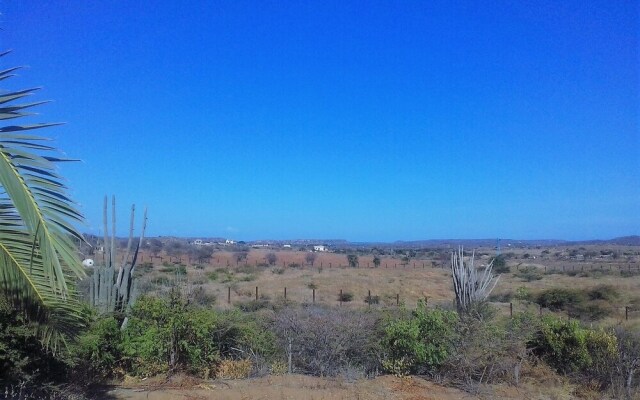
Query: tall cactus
[
  {"x": 110, "y": 292},
  {"x": 470, "y": 286}
]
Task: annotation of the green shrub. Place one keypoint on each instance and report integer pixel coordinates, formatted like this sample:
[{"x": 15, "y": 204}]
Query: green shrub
[
  {"x": 500, "y": 265},
  {"x": 345, "y": 297},
  {"x": 23, "y": 360},
  {"x": 562, "y": 344},
  {"x": 169, "y": 334},
  {"x": 589, "y": 355},
  {"x": 592, "y": 310},
  {"x": 523, "y": 294},
  {"x": 529, "y": 274},
  {"x": 421, "y": 342},
  {"x": 98, "y": 351},
  {"x": 372, "y": 299},
  {"x": 604, "y": 292},
  {"x": 557, "y": 299}
]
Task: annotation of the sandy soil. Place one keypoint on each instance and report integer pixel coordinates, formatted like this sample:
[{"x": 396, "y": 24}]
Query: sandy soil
[{"x": 295, "y": 387}]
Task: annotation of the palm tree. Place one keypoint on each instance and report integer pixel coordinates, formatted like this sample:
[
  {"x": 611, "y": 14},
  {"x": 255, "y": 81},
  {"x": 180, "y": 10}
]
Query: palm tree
[{"x": 38, "y": 259}]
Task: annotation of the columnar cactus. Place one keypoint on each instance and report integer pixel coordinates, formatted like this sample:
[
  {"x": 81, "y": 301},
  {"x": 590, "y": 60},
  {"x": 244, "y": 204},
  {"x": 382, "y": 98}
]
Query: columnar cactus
[
  {"x": 110, "y": 292},
  {"x": 469, "y": 284}
]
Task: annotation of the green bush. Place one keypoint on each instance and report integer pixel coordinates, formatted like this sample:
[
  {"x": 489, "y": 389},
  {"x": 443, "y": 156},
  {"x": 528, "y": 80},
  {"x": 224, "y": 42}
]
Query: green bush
[
  {"x": 529, "y": 274},
  {"x": 604, "y": 292},
  {"x": 345, "y": 297},
  {"x": 587, "y": 354},
  {"x": 500, "y": 265},
  {"x": 169, "y": 334},
  {"x": 557, "y": 299},
  {"x": 562, "y": 344},
  {"x": 98, "y": 351},
  {"x": 421, "y": 342},
  {"x": 23, "y": 360},
  {"x": 589, "y": 305},
  {"x": 372, "y": 300}
]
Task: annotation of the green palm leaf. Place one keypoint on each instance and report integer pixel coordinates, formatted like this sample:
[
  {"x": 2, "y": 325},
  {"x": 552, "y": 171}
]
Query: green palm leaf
[{"x": 38, "y": 259}]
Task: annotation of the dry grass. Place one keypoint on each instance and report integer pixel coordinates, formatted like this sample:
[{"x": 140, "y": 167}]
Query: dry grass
[{"x": 330, "y": 274}]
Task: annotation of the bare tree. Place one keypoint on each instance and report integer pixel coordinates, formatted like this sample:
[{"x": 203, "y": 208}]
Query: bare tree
[
  {"x": 271, "y": 258},
  {"x": 352, "y": 259},
  {"x": 310, "y": 258}
]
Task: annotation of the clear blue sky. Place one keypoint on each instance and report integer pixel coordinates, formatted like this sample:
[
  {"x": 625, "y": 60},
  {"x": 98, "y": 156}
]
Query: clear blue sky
[{"x": 385, "y": 121}]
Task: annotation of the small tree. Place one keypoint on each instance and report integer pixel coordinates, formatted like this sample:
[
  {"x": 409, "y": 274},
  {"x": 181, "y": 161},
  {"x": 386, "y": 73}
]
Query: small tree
[
  {"x": 376, "y": 261},
  {"x": 240, "y": 255},
  {"x": 271, "y": 258},
  {"x": 471, "y": 286},
  {"x": 352, "y": 259},
  {"x": 154, "y": 246},
  {"x": 310, "y": 258}
]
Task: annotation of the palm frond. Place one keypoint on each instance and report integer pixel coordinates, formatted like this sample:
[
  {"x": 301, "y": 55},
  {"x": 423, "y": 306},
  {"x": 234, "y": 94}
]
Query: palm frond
[
  {"x": 38, "y": 259},
  {"x": 30, "y": 179}
]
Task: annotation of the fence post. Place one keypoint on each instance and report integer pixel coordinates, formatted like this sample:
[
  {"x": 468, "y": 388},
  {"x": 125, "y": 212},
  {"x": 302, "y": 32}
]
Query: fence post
[
  {"x": 369, "y": 301},
  {"x": 511, "y": 310},
  {"x": 314, "y": 295},
  {"x": 285, "y": 292},
  {"x": 340, "y": 298},
  {"x": 256, "y": 293},
  {"x": 397, "y": 299},
  {"x": 626, "y": 313},
  {"x": 229, "y": 295}
]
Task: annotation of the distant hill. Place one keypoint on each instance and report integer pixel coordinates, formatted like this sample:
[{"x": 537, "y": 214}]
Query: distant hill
[{"x": 633, "y": 240}]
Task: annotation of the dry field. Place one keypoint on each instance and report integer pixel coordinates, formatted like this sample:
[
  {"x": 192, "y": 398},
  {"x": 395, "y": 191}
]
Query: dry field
[
  {"x": 229, "y": 282},
  {"x": 418, "y": 279}
]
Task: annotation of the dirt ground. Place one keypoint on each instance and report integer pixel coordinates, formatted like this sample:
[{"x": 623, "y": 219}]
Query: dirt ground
[{"x": 300, "y": 387}]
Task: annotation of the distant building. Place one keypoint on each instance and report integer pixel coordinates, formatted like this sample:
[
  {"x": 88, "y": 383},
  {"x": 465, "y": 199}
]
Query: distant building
[
  {"x": 198, "y": 242},
  {"x": 320, "y": 248},
  {"x": 287, "y": 246},
  {"x": 229, "y": 241}
]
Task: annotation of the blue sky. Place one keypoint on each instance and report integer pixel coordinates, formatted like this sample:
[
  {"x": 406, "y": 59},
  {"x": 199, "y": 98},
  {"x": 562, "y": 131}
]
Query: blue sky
[{"x": 357, "y": 120}]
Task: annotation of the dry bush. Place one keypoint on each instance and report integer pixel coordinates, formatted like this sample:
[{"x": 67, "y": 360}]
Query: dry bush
[
  {"x": 490, "y": 351},
  {"x": 329, "y": 341},
  {"x": 234, "y": 369}
]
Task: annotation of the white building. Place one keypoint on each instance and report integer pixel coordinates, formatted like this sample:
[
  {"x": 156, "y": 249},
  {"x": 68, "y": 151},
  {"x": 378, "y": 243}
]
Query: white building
[{"x": 320, "y": 248}]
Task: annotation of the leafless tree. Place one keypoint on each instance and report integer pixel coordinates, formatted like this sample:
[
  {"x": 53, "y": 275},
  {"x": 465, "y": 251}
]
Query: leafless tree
[
  {"x": 271, "y": 258},
  {"x": 310, "y": 258}
]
